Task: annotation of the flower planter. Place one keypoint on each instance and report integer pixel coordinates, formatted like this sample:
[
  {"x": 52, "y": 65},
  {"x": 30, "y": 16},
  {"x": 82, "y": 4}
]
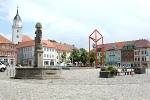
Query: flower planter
[{"x": 106, "y": 74}]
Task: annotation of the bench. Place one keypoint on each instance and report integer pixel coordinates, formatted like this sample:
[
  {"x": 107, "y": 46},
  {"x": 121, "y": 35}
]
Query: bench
[{"x": 125, "y": 71}]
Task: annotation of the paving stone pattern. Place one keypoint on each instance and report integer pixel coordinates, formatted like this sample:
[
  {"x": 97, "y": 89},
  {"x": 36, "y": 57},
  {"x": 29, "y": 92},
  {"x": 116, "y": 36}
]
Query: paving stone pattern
[{"x": 79, "y": 84}]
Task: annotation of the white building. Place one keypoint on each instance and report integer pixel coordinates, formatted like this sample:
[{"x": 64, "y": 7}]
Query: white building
[
  {"x": 60, "y": 48},
  {"x": 26, "y": 53},
  {"x": 17, "y": 29}
]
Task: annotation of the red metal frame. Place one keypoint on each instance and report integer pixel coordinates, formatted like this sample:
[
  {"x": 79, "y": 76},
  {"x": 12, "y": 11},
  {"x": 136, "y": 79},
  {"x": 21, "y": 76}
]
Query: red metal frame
[{"x": 102, "y": 48}]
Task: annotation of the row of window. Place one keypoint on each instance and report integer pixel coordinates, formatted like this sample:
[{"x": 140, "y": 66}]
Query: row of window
[
  {"x": 26, "y": 49},
  {"x": 48, "y": 56},
  {"x": 127, "y": 54},
  {"x": 127, "y": 59},
  {"x": 136, "y": 59},
  {"x": 113, "y": 58},
  {"x": 7, "y": 46},
  {"x": 58, "y": 51},
  {"x": 48, "y": 49},
  {"x": 49, "y": 63},
  {"x": 142, "y": 59},
  {"x": 6, "y": 53},
  {"x": 109, "y": 53},
  {"x": 142, "y": 52},
  {"x": 27, "y": 56}
]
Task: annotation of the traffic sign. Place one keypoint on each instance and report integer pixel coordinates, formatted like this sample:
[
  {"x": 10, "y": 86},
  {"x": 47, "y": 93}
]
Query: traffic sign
[{"x": 146, "y": 53}]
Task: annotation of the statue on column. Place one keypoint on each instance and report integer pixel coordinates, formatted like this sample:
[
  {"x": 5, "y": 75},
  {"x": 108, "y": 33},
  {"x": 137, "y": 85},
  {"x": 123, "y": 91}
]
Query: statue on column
[
  {"x": 38, "y": 52},
  {"x": 38, "y": 32}
]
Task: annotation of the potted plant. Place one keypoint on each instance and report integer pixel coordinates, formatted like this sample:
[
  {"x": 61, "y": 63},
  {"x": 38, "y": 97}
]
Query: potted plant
[{"x": 107, "y": 72}]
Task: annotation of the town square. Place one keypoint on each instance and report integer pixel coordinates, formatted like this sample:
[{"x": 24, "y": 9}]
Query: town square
[{"x": 74, "y": 50}]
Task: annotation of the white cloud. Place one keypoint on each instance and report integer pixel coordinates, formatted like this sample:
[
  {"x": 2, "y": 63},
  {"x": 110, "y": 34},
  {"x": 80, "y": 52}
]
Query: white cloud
[{"x": 73, "y": 21}]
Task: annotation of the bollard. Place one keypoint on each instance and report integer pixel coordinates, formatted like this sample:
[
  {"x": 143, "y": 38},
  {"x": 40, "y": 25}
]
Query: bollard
[
  {"x": 13, "y": 73},
  {"x": 7, "y": 72},
  {"x": 10, "y": 72}
]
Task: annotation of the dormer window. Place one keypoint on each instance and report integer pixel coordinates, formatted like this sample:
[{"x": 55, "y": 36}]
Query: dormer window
[{"x": 113, "y": 47}]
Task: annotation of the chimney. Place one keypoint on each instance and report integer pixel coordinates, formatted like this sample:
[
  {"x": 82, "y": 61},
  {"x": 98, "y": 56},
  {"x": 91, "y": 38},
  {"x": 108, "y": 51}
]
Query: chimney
[{"x": 73, "y": 45}]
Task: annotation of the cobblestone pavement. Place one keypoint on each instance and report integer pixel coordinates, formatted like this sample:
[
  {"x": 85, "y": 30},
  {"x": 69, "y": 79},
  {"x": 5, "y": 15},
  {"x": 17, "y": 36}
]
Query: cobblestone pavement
[{"x": 79, "y": 84}]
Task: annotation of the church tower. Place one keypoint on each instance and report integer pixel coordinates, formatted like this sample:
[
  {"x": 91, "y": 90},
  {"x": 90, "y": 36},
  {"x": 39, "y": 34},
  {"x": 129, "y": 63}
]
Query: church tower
[{"x": 17, "y": 29}]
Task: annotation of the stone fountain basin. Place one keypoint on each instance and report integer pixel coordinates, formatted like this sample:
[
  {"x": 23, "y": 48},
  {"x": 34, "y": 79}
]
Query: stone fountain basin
[{"x": 37, "y": 73}]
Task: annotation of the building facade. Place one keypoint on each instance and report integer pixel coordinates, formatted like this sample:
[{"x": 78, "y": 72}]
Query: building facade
[
  {"x": 141, "y": 48},
  {"x": 63, "y": 48},
  {"x": 112, "y": 53},
  {"x": 128, "y": 53},
  {"x": 8, "y": 52},
  {"x": 26, "y": 53}
]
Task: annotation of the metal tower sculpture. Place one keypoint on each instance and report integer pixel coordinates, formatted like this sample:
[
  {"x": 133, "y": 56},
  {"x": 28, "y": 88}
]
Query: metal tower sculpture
[{"x": 96, "y": 39}]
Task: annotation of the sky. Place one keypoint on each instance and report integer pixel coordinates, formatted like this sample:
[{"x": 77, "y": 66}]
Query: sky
[{"x": 73, "y": 21}]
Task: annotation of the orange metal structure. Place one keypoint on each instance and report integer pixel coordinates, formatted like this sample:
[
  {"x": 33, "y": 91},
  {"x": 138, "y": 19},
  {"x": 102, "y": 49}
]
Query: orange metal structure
[{"x": 102, "y": 47}]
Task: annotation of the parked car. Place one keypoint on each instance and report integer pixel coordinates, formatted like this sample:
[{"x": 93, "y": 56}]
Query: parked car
[
  {"x": 129, "y": 67},
  {"x": 5, "y": 63},
  {"x": 70, "y": 65},
  {"x": 2, "y": 67},
  {"x": 63, "y": 64},
  {"x": 19, "y": 65}
]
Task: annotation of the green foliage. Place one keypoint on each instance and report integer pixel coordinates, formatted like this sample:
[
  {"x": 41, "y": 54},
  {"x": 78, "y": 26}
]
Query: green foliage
[
  {"x": 92, "y": 57},
  {"x": 63, "y": 56},
  {"x": 75, "y": 55},
  {"x": 52, "y": 40},
  {"x": 83, "y": 56},
  {"x": 110, "y": 69},
  {"x": 103, "y": 69}
]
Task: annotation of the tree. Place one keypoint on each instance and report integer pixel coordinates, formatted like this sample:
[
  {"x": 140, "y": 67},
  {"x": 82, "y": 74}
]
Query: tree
[
  {"x": 92, "y": 57},
  {"x": 51, "y": 40},
  {"x": 83, "y": 56},
  {"x": 63, "y": 56},
  {"x": 75, "y": 55}
]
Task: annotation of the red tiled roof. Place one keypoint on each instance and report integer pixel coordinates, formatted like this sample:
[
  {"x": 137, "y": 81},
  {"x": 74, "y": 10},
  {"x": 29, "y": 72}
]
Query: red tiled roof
[
  {"x": 142, "y": 43},
  {"x": 63, "y": 47},
  {"x": 45, "y": 43},
  {"x": 25, "y": 38},
  {"x": 70, "y": 47},
  {"x": 4, "y": 40},
  {"x": 119, "y": 45}
]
